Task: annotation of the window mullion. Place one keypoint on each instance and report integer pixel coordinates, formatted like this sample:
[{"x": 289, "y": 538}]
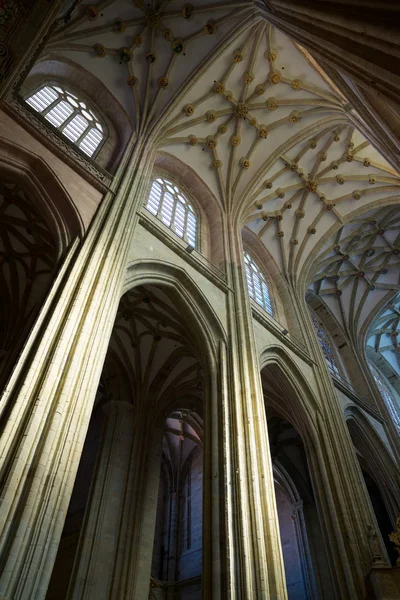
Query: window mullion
[
  {"x": 160, "y": 202},
  {"x": 173, "y": 213},
  {"x": 185, "y": 227},
  {"x": 82, "y": 136},
  {"x": 51, "y": 106},
  {"x": 69, "y": 119},
  {"x": 160, "y": 212}
]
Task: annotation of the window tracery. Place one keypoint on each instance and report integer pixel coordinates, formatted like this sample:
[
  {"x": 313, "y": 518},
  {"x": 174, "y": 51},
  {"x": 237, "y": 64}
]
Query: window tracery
[
  {"x": 257, "y": 285},
  {"x": 386, "y": 395},
  {"x": 70, "y": 115},
  {"x": 167, "y": 202},
  {"x": 324, "y": 344}
]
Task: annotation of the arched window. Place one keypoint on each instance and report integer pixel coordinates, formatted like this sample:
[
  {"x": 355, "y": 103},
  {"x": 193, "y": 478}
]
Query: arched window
[
  {"x": 386, "y": 395},
  {"x": 70, "y": 115},
  {"x": 257, "y": 284},
  {"x": 324, "y": 343},
  {"x": 168, "y": 204}
]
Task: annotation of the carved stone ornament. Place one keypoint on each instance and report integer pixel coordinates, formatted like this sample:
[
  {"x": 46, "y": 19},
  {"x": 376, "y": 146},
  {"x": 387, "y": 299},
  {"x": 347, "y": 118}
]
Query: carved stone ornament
[
  {"x": 263, "y": 132},
  {"x": 211, "y": 116},
  {"x": 275, "y": 77},
  {"x": 188, "y": 109},
  {"x": 46, "y": 135},
  {"x": 271, "y": 103},
  {"x": 374, "y": 545}
]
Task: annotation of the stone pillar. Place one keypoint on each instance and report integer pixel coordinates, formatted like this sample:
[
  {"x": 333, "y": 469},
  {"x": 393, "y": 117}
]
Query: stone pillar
[
  {"x": 304, "y": 549},
  {"x": 173, "y": 539},
  {"x": 99, "y": 543},
  {"x": 341, "y": 496},
  {"x": 258, "y": 559},
  {"x": 48, "y": 406}
]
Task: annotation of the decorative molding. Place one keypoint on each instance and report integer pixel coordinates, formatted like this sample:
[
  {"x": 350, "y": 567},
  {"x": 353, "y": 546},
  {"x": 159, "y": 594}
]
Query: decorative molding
[
  {"x": 211, "y": 272},
  {"x": 277, "y": 330},
  {"x": 353, "y": 395},
  {"x": 50, "y": 138}
]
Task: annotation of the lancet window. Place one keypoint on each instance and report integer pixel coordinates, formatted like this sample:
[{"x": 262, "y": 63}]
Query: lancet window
[
  {"x": 386, "y": 395},
  {"x": 324, "y": 344},
  {"x": 70, "y": 115},
  {"x": 257, "y": 284},
  {"x": 167, "y": 202}
]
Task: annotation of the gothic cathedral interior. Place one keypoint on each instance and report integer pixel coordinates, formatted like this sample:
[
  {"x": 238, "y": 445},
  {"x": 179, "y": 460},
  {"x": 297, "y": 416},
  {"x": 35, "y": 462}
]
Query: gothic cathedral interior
[{"x": 199, "y": 300}]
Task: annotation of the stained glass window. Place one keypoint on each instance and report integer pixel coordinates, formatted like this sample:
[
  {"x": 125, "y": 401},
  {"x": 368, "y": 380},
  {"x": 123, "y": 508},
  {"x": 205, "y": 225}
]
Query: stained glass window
[
  {"x": 70, "y": 115},
  {"x": 324, "y": 343},
  {"x": 257, "y": 284},
  {"x": 386, "y": 395},
  {"x": 170, "y": 205}
]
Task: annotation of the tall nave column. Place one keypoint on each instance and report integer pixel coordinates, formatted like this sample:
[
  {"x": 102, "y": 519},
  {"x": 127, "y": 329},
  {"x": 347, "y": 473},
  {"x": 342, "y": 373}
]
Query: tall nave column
[
  {"x": 348, "y": 516},
  {"x": 259, "y": 556},
  {"x": 98, "y": 549},
  {"x": 47, "y": 405}
]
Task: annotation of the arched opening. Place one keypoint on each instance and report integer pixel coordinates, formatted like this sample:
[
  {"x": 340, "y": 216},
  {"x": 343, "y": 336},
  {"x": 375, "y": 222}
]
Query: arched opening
[
  {"x": 87, "y": 88},
  {"x": 177, "y": 550},
  {"x": 141, "y": 519},
  {"x": 379, "y": 474},
  {"x": 294, "y": 538},
  {"x": 381, "y": 514},
  {"x": 34, "y": 236},
  {"x": 306, "y": 562}
]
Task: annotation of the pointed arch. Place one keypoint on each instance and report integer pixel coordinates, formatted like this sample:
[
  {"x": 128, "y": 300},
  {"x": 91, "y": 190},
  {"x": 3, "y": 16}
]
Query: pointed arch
[
  {"x": 55, "y": 69},
  {"x": 51, "y": 198},
  {"x": 374, "y": 457},
  {"x": 187, "y": 296},
  {"x": 292, "y": 382}
]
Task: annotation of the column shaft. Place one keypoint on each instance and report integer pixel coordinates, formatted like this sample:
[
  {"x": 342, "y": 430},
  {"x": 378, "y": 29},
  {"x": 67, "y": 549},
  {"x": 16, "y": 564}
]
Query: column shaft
[
  {"x": 47, "y": 423},
  {"x": 98, "y": 547}
]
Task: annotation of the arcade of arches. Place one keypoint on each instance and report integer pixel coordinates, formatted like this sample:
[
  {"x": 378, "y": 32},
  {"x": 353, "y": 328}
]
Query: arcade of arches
[{"x": 199, "y": 300}]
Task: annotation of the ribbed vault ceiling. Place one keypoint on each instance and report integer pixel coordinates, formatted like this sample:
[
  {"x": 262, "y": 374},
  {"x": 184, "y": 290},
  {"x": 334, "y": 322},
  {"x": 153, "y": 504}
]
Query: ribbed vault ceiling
[
  {"x": 144, "y": 52},
  {"x": 28, "y": 261},
  {"x": 360, "y": 265},
  {"x": 384, "y": 333},
  {"x": 256, "y": 119},
  {"x": 152, "y": 358}
]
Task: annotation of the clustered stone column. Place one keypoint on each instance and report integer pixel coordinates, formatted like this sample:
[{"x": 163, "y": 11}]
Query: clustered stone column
[{"x": 100, "y": 539}]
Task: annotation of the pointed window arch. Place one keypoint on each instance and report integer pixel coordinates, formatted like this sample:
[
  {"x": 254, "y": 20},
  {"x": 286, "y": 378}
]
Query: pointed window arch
[
  {"x": 167, "y": 202},
  {"x": 324, "y": 343},
  {"x": 70, "y": 115},
  {"x": 257, "y": 284},
  {"x": 386, "y": 395}
]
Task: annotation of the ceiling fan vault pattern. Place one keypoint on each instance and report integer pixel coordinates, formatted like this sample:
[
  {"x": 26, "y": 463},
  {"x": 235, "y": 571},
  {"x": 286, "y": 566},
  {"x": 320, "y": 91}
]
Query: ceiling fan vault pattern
[{"x": 260, "y": 123}]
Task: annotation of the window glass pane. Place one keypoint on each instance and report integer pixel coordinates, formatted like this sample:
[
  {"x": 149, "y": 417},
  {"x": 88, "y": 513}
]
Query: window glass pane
[
  {"x": 386, "y": 395},
  {"x": 167, "y": 208},
  {"x": 42, "y": 99},
  {"x": 83, "y": 128},
  {"x": 324, "y": 343},
  {"x": 90, "y": 142},
  {"x": 75, "y": 128},
  {"x": 60, "y": 113},
  {"x": 168, "y": 204},
  {"x": 257, "y": 284}
]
